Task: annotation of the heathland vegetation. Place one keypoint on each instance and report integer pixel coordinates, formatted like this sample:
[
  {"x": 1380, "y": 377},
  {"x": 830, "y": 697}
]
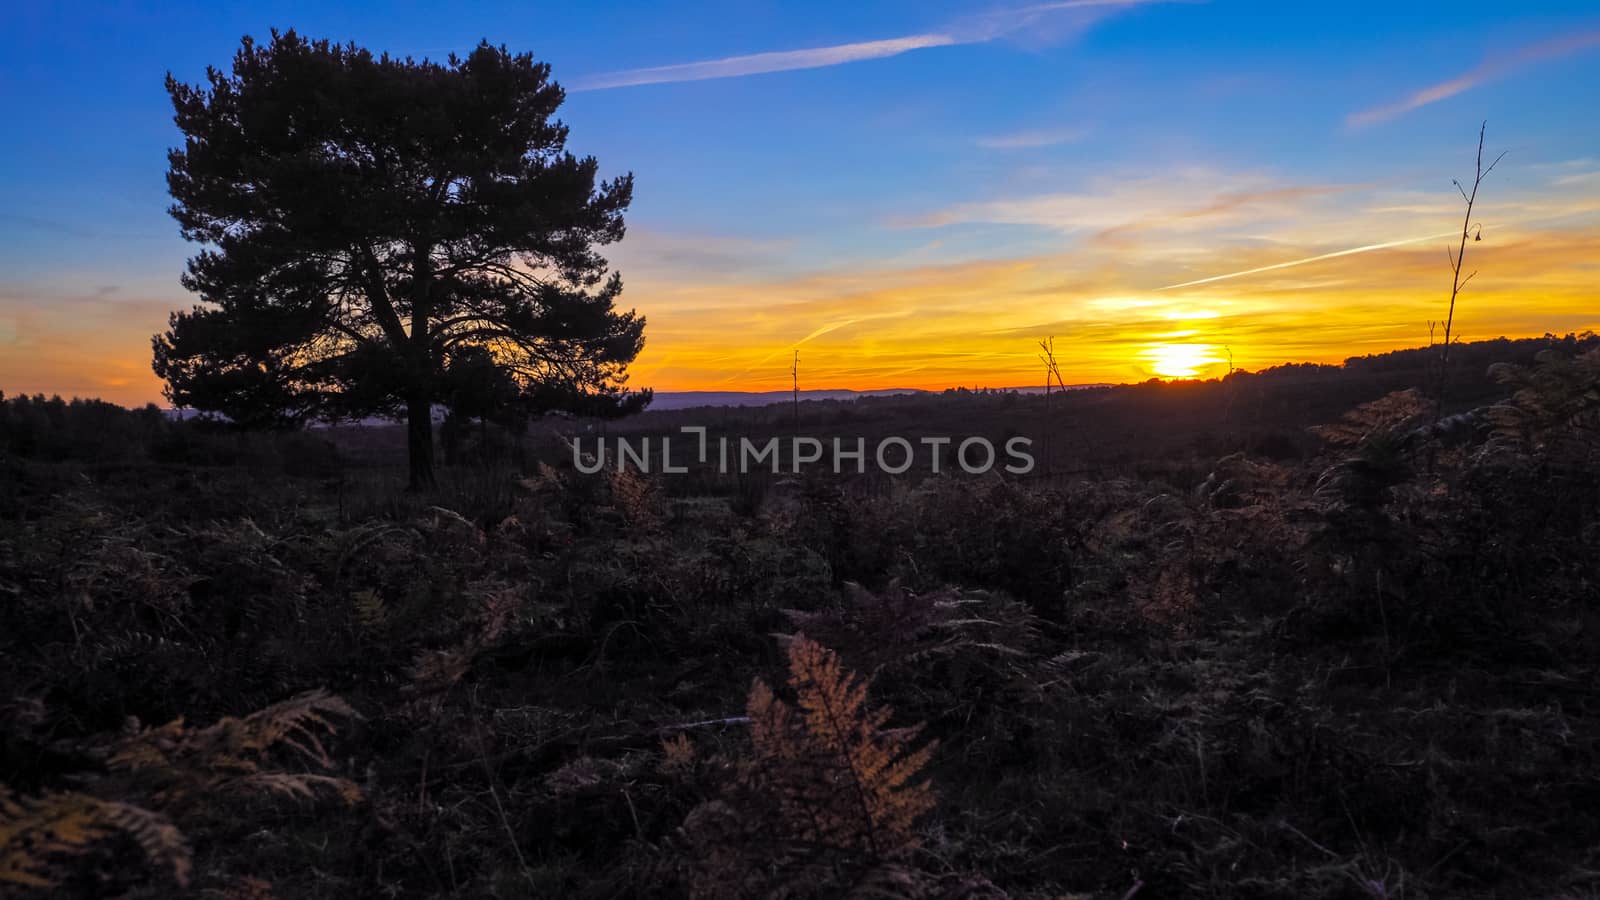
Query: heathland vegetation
[{"x": 1206, "y": 653}]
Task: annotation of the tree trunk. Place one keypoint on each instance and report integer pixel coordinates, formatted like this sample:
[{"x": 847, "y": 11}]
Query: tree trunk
[
  {"x": 419, "y": 439},
  {"x": 419, "y": 400}
]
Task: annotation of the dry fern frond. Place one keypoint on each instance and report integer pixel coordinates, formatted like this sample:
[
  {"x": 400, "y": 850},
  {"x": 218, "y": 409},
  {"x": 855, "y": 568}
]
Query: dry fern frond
[
  {"x": 34, "y": 831},
  {"x": 160, "y": 840},
  {"x": 448, "y": 520},
  {"x": 840, "y": 778},
  {"x": 637, "y": 498},
  {"x": 1555, "y": 410},
  {"x": 545, "y": 478},
  {"x": 900, "y": 631},
  {"x": 1389, "y": 414},
  {"x": 437, "y": 670},
  {"x": 677, "y": 754},
  {"x": 894, "y": 617},
  {"x": 295, "y": 722},
  {"x": 1380, "y": 438},
  {"x": 1236, "y": 481},
  {"x": 830, "y": 796},
  {"x": 299, "y": 786},
  {"x": 585, "y": 773},
  {"x": 182, "y": 765}
]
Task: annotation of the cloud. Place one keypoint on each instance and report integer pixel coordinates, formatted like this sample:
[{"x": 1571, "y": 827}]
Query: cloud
[
  {"x": 761, "y": 63},
  {"x": 1486, "y": 71},
  {"x": 655, "y": 253},
  {"x": 1026, "y": 140},
  {"x": 1366, "y": 248},
  {"x": 1229, "y": 205},
  {"x": 1039, "y": 19},
  {"x": 1543, "y": 208},
  {"x": 831, "y": 326},
  {"x": 978, "y": 30},
  {"x": 1115, "y": 206}
]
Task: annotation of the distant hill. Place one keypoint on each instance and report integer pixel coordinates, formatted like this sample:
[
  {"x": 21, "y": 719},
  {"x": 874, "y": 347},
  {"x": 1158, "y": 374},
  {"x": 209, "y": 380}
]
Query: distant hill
[
  {"x": 666, "y": 400},
  {"x": 675, "y": 400}
]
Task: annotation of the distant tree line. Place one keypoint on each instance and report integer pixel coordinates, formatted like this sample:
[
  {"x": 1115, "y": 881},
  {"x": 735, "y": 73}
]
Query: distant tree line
[
  {"x": 37, "y": 427},
  {"x": 1477, "y": 355}
]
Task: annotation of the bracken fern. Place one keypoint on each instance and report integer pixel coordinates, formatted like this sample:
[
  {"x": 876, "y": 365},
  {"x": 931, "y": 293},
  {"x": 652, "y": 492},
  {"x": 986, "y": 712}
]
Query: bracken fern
[
  {"x": 842, "y": 779},
  {"x": 182, "y": 767},
  {"x": 37, "y": 833}
]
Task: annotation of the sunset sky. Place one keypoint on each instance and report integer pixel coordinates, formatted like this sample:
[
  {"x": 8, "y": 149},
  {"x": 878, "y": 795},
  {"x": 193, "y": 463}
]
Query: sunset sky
[{"x": 913, "y": 194}]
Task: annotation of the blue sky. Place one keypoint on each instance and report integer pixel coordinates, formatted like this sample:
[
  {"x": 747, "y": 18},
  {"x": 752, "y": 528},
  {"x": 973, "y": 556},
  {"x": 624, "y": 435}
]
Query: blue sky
[{"x": 944, "y": 174}]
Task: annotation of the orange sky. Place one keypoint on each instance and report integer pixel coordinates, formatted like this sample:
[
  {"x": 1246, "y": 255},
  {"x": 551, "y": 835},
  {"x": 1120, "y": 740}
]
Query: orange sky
[
  {"x": 920, "y": 322},
  {"x": 978, "y": 323}
]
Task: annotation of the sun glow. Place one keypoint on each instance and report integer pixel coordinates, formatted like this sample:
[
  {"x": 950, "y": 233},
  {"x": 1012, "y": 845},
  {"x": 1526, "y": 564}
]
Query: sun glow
[{"x": 1180, "y": 360}]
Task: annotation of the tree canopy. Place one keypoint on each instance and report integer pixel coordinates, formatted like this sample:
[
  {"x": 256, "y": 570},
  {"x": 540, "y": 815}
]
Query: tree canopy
[{"x": 367, "y": 220}]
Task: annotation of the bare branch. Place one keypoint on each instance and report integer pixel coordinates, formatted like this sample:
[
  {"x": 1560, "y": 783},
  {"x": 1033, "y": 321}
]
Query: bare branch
[
  {"x": 1496, "y": 162},
  {"x": 1457, "y": 260}
]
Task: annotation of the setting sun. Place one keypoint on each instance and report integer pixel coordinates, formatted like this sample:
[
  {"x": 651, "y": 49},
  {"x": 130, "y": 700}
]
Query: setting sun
[{"x": 1180, "y": 360}]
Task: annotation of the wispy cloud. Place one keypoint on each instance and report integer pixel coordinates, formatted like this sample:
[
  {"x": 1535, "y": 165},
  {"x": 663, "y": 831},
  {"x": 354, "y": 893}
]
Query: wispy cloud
[
  {"x": 1039, "y": 16},
  {"x": 1027, "y": 140},
  {"x": 654, "y": 253},
  {"x": 1489, "y": 70},
  {"x": 978, "y": 30},
  {"x": 1111, "y": 206},
  {"x": 1365, "y": 248},
  {"x": 831, "y": 326},
  {"x": 760, "y": 63},
  {"x": 816, "y": 333},
  {"x": 1261, "y": 203}
]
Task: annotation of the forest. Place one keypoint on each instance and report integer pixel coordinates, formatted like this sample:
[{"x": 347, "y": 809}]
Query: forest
[{"x": 1316, "y": 638}]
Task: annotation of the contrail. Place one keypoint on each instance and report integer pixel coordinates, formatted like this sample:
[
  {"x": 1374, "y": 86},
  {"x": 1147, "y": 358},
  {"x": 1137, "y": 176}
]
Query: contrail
[
  {"x": 1311, "y": 259},
  {"x": 980, "y": 30},
  {"x": 761, "y": 63},
  {"x": 831, "y": 326},
  {"x": 1487, "y": 71}
]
